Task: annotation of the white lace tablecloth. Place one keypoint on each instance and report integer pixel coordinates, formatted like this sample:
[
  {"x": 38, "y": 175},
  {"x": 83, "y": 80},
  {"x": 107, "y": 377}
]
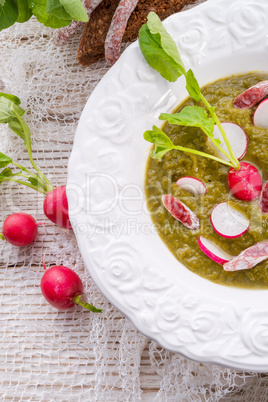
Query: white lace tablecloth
[{"x": 50, "y": 355}]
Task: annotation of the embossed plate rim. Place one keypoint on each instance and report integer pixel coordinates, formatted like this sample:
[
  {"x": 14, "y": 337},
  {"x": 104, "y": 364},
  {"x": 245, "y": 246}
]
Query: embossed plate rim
[{"x": 205, "y": 322}]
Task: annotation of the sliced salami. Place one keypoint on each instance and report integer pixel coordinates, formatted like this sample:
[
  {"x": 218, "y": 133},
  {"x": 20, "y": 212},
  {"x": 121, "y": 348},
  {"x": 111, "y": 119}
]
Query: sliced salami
[
  {"x": 180, "y": 212},
  {"x": 62, "y": 35},
  {"x": 117, "y": 29},
  {"x": 248, "y": 258},
  {"x": 252, "y": 96}
]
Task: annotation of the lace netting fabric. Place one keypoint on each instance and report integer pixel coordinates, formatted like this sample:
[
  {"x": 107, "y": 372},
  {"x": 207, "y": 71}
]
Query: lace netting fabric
[{"x": 50, "y": 355}]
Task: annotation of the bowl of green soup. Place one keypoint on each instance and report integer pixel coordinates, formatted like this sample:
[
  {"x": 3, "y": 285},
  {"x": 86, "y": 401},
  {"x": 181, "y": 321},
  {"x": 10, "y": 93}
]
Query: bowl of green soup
[{"x": 172, "y": 230}]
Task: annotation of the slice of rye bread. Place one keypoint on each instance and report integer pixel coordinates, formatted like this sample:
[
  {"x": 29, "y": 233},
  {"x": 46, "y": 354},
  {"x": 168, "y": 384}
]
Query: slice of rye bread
[{"x": 91, "y": 47}]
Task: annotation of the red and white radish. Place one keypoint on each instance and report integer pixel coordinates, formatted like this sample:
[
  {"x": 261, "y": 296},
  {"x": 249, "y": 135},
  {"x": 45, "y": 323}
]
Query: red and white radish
[
  {"x": 212, "y": 251},
  {"x": 227, "y": 221},
  {"x": 63, "y": 288},
  {"x": 245, "y": 183},
  {"x": 252, "y": 96},
  {"x": 180, "y": 212},
  {"x": 56, "y": 207},
  {"x": 248, "y": 258},
  {"x": 263, "y": 205},
  {"x": 237, "y": 137},
  {"x": 260, "y": 117},
  {"x": 191, "y": 184},
  {"x": 20, "y": 229}
]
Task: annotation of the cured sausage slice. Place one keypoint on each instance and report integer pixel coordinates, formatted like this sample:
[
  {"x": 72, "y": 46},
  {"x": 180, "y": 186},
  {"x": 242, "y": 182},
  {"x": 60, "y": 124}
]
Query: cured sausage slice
[
  {"x": 252, "y": 96},
  {"x": 248, "y": 258},
  {"x": 180, "y": 212},
  {"x": 264, "y": 199},
  {"x": 117, "y": 29}
]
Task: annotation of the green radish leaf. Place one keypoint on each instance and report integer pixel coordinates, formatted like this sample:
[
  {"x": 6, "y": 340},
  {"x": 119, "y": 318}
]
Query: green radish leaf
[
  {"x": 193, "y": 116},
  {"x": 160, "y": 50},
  {"x": 76, "y": 9},
  {"x": 25, "y": 12},
  {"x": 192, "y": 86},
  {"x": 5, "y": 173},
  {"x": 6, "y": 114},
  {"x": 8, "y": 13},
  {"x": 2, "y": 237},
  {"x": 13, "y": 98},
  {"x": 4, "y": 160},
  {"x": 39, "y": 10},
  {"x": 38, "y": 182},
  {"x": 55, "y": 8},
  {"x": 162, "y": 143}
]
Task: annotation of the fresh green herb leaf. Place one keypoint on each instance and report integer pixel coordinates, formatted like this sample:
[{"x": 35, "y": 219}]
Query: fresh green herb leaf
[
  {"x": 13, "y": 98},
  {"x": 6, "y": 113},
  {"x": 159, "y": 49},
  {"x": 192, "y": 86},
  {"x": 8, "y": 13},
  {"x": 55, "y": 8},
  {"x": 25, "y": 12},
  {"x": 5, "y": 173},
  {"x": 2, "y": 237},
  {"x": 76, "y": 9},
  {"x": 39, "y": 10},
  {"x": 38, "y": 182},
  {"x": 193, "y": 116},
  {"x": 4, "y": 160},
  {"x": 162, "y": 143}
]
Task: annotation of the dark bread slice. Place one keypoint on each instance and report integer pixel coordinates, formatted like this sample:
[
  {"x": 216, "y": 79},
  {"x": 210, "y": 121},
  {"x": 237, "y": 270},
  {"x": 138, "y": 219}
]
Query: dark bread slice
[{"x": 91, "y": 47}]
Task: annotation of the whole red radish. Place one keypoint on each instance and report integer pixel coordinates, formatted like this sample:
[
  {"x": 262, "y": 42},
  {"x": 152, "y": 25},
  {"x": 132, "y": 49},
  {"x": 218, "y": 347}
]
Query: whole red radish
[
  {"x": 20, "y": 229},
  {"x": 245, "y": 183},
  {"x": 56, "y": 207},
  {"x": 63, "y": 288}
]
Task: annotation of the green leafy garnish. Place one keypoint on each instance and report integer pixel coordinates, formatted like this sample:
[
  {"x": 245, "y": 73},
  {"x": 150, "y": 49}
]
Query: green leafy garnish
[
  {"x": 160, "y": 50},
  {"x": 39, "y": 10},
  {"x": 8, "y": 13},
  {"x": 75, "y": 9},
  {"x": 161, "y": 53},
  {"x": 55, "y": 8},
  {"x": 12, "y": 113},
  {"x": 163, "y": 144},
  {"x": 194, "y": 116},
  {"x": 25, "y": 12},
  {"x": 52, "y": 13}
]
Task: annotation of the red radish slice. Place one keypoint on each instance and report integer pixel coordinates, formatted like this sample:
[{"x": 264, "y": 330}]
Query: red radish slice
[
  {"x": 192, "y": 185},
  {"x": 248, "y": 258},
  {"x": 180, "y": 212},
  {"x": 264, "y": 199},
  {"x": 252, "y": 96},
  {"x": 237, "y": 137},
  {"x": 245, "y": 183},
  {"x": 260, "y": 118},
  {"x": 227, "y": 221},
  {"x": 213, "y": 252}
]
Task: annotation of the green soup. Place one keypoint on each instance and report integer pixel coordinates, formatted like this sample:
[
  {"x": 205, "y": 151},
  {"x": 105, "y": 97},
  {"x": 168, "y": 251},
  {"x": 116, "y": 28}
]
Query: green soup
[{"x": 161, "y": 177}]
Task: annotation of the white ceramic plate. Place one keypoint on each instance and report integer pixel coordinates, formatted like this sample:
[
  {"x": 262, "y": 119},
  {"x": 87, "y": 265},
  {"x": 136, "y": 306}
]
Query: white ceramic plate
[{"x": 124, "y": 255}]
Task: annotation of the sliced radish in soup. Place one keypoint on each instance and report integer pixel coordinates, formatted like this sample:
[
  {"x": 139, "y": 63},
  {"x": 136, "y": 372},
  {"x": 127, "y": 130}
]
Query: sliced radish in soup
[
  {"x": 191, "y": 184},
  {"x": 180, "y": 212},
  {"x": 227, "y": 221},
  {"x": 237, "y": 137},
  {"x": 260, "y": 118},
  {"x": 213, "y": 251}
]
